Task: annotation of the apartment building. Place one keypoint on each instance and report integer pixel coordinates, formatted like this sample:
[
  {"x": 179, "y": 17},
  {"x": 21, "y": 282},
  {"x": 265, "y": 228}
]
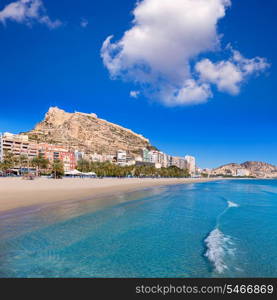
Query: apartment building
[
  {"x": 191, "y": 163},
  {"x": 121, "y": 157},
  {"x": 145, "y": 154},
  {"x": 17, "y": 145},
  {"x": 20, "y": 144},
  {"x": 95, "y": 157},
  {"x": 79, "y": 155},
  {"x": 54, "y": 152},
  {"x": 158, "y": 158},
  {"x": 242, "y": 172}
]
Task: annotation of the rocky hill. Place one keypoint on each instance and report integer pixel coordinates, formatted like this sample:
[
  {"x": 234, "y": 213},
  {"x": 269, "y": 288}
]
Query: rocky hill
[
  {"x": 249, "y": 168},
  {"x": 86, "y": 132}
]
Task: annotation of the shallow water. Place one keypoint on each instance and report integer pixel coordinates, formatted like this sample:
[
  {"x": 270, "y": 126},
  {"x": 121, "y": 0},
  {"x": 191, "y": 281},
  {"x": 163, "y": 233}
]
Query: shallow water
[{"x": 214, "y": 229}]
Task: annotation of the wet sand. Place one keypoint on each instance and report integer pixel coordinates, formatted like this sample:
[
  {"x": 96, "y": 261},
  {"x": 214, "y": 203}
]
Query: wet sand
[{"x": 18, "y": 193}]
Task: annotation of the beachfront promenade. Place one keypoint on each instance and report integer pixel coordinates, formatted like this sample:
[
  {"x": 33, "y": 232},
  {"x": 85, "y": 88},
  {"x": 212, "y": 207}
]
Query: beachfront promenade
[{"x": 16, "y": 193}]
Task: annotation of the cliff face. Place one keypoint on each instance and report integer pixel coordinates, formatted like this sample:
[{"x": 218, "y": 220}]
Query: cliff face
[
  {"x": 261, "y": 169},
  {"x": 249, "y": 168},
  {"x": 86, "y": 132}
]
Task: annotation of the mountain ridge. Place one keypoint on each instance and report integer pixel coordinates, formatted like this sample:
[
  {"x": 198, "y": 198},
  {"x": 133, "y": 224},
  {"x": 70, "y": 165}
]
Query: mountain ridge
[
  {"x": 86, "y": 132},
  {"x": 249, "y": 168}
]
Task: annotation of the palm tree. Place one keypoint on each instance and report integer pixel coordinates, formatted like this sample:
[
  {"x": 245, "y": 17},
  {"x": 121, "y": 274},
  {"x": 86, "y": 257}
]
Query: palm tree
[
  {"x": 57, "y": 169},
  {"x": 23, "y": 161},
  {"x": 40, "y": 163},
  {"x": 83, "y": 165},
  {"x": 9, "y": 161}
]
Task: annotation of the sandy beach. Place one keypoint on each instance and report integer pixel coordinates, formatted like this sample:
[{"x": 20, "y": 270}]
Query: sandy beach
[{"x": 18, "y": 193}]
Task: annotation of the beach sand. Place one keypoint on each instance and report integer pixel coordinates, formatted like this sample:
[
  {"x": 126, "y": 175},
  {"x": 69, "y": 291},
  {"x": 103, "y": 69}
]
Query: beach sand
[{"x": 18, "y": 193}]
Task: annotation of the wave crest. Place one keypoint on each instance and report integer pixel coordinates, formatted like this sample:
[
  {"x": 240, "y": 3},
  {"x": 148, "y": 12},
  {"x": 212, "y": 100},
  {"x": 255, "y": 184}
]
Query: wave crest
[
  {"x": 232, "y": 204},
  {"x": 218, "y": 246}
]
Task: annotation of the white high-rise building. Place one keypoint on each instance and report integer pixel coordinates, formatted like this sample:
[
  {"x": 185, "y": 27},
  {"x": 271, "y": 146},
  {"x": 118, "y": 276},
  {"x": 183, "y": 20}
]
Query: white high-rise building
[
  {"x": 1, "y": 148},
  {"x": 191, "y": 163},
  {"x": 121, "y": 157},
  {"x": 158, "y": 158},
  {"x": 154, "y": 156},
  {"x": 79, "y": 155},
  {"x": 145, "y": 155}
]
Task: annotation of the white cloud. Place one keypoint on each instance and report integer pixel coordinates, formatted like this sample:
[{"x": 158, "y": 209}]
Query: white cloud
[
  {"x": 158, "y": 52},
  {"x": 224, "y": 74},
  {"x": 84, "y": 23},
  {"x": 134, "y": 94},
  {"x": 249, "y": 66},
  {"x": 26, "y": 12},
  {"x": 230, "y": 74},
  {"x": 191, "y": 92}
]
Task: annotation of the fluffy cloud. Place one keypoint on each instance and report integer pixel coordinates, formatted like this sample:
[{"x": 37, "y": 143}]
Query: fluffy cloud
[
  {"x": 230, "y": 74},
  {"x": 191, "y": 92},
  {"x": 26, "y": 12},
  {"x": 158, "y": 53}
]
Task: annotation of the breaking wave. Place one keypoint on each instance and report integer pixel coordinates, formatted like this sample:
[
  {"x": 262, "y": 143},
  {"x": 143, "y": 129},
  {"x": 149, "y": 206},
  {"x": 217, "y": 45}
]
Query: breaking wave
[
  {"x": 232, "y": 204},
  {"x": 219, "y": 245}
]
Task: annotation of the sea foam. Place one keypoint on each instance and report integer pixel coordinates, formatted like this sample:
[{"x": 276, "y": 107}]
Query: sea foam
[
  {"x": 232, "y": 204},
  {"x": 218, "y": 246}
]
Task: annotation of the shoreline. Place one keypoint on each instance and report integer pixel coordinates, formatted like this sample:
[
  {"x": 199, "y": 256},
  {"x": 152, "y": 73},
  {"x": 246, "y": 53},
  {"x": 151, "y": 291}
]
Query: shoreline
[{"x": 17, "y": 193}]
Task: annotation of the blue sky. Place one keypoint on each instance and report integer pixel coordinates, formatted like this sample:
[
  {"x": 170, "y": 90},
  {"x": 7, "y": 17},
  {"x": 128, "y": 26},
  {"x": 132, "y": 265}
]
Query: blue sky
[{"x": 57, "y": 62}]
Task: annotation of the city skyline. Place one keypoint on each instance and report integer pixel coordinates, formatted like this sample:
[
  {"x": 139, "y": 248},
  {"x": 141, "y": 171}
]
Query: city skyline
[
  {"x": 54, "y": 59},
  {"x": 23, "y": 149}
]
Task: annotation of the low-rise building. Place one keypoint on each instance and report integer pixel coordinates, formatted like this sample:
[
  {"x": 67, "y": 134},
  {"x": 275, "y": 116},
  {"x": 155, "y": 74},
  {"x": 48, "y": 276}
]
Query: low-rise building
[
  {"x": 109, "y": 157},
  {"x": 95, "y": 157},
  {"x": 242, "y": 172},
  {"x": 138, "y": 158},
  {"x": 206, "y": 171}
]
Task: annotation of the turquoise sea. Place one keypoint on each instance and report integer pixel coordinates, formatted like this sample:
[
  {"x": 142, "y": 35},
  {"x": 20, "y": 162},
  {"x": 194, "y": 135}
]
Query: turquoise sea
[{"x": 218, "y": 229}]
